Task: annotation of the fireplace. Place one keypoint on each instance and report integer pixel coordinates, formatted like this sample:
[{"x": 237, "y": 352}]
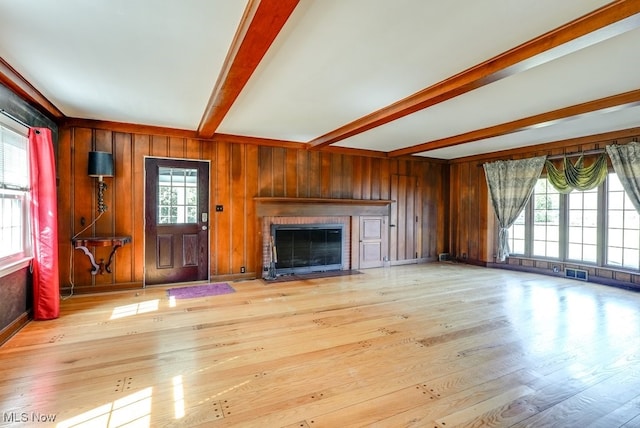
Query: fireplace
[
  {"x": 304, "y": 248},
  {"x": 294, "y": 227},
  {"x": 317, "y": 213}
]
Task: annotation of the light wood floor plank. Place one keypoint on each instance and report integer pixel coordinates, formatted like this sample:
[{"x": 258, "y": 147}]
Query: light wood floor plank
[{"x": 433, "y": 345}]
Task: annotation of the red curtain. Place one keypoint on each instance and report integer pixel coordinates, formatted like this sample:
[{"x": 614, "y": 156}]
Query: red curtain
[{"x": 44, "y": 225}]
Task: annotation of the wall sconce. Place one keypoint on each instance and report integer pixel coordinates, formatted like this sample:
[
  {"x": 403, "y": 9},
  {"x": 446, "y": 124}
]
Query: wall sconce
[{"x": 101, "y": 165}]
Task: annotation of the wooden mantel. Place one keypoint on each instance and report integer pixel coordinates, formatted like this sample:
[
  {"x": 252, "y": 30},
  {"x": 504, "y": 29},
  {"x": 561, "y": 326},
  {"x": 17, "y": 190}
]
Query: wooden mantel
[{"x": 281, "y": 206}]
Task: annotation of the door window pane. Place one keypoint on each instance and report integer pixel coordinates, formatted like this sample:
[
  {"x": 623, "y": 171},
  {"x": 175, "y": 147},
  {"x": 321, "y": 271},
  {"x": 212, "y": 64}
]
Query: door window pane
[{"x": 177, "y": 195}]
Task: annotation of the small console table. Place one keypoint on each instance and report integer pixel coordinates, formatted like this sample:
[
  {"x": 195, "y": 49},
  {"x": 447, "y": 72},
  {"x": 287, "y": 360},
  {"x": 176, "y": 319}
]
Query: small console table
[{"x": 100, "y": 241}]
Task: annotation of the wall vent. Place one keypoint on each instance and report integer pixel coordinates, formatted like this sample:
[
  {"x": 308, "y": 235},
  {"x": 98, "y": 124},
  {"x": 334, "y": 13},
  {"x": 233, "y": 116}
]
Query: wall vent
[
  {"x": 580, "y": 274},
  {"x": 443, "y": 257}
]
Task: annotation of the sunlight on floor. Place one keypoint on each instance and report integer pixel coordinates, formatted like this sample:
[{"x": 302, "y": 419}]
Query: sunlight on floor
[
  {"x": 134, "y": 410},
  {"x": 178, "y": 397},
  {"x": 134, "y": 309}
]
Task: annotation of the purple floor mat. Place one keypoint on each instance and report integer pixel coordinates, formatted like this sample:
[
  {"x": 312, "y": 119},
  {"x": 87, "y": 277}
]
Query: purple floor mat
[{"x": 204, "y": 290}]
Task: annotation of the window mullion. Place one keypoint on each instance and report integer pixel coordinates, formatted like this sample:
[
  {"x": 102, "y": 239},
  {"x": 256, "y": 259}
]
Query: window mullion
[
  {"x": 528, "y": 230},
  {"x": 564, "y": 227},
  {"x": 602, "y": 226}
]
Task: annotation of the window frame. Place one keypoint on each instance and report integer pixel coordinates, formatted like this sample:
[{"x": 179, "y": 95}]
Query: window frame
[
  {"x": 606, "y": 230},
  {"x": 602, "y": 231},
  {"x": 19, "y": 260}
]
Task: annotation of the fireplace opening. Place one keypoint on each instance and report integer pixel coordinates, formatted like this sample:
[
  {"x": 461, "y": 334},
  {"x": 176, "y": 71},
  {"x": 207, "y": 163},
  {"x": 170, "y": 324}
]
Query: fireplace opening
[{"x": 305, "y": 248}]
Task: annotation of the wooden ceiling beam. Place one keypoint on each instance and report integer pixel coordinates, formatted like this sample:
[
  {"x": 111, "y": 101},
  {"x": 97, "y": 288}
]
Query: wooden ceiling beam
[
  {"x": 611, "y": 20},
  {"x": 10, "y": 78},
  {"x": 261, "y": 23},
  {"x": 602, "y": 105}
]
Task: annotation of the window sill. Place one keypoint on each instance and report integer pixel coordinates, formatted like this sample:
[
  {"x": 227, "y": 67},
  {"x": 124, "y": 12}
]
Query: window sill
[{"x": 15, "y": 266}]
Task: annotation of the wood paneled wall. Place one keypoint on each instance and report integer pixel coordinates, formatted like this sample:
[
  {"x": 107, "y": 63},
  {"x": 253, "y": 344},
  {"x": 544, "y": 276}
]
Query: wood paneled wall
[
  {"x": 473, "y": 224},
  {"x": 239, "y": 172}
]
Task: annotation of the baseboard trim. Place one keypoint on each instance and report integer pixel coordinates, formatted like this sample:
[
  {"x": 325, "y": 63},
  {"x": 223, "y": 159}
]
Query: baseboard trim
[
  {"x": 592, "y": 278},
  {"x": 90, "y": 289},
  {"x": 14, "y": 327}
]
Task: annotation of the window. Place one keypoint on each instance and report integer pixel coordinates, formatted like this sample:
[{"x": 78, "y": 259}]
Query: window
[
  {"x": 546, "y": 220},
  {"x": 583, "y": 226},
  {"x": 517, "y": 235},
  {"x": 599, "y": 227},
  {"x": 14, "y": 196},
  {"x": 623, "y": 227}
]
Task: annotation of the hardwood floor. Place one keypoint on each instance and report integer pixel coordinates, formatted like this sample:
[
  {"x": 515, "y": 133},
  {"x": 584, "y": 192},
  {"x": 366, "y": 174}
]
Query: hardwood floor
[{"x": 435, "y": 345}]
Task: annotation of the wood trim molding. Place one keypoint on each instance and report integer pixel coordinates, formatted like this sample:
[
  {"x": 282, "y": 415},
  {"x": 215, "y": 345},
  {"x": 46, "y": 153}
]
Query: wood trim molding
[
  {"x": 128, "y": 128},
  {"x": 19, "y": 85},
  {"x": 14, "y": 327},
  {"x": 131, "y": 128},
  {"x": 310, "y": 207},
  {"x": 258, "y": 141},
  {"x": 611, "y": 20},
  {"x": 260, "y": 25},
  {"x": 602, "y": 105},
  {"x": 284, "y": 200}
]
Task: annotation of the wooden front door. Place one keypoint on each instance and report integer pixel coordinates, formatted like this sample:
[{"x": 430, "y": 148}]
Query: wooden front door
[
  {"x": 176, "y": 221},
  {"x": 373, "y": 242}
]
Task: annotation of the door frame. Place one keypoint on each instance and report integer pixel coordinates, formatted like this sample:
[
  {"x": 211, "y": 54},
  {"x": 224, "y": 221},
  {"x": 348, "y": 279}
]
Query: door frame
[{"x": 144, "y": 215}]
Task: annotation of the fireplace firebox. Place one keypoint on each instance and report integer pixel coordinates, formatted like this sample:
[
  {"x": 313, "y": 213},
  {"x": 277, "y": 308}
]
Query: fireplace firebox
[{"x": 305, "y": 248}]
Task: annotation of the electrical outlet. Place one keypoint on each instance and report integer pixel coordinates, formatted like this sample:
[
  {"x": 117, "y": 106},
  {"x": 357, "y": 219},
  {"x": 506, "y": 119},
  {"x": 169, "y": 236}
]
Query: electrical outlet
[
  {"x": 242, "y": 269},
  {"x": 219, "y": 208}
]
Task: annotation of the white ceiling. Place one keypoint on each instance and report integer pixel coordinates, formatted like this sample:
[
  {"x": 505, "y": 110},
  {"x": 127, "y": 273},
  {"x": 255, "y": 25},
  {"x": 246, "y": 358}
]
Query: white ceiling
[{"x": 333, "y": 62}]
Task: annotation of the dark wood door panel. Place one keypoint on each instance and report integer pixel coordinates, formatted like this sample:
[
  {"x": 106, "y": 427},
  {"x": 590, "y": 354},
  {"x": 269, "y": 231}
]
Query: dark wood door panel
[{"x": 176, "y": 221}]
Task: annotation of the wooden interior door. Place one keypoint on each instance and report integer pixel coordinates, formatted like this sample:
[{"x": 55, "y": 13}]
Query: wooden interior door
[
  {"x": 176, "y": 221},
  {"x": 373, "y": 242},
  {"x": 405, "y": 215}
]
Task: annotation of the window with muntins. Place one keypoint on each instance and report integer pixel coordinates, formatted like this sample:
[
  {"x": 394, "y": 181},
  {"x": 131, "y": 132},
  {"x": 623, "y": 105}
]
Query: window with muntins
[
  {"x": 546, "y": 220},
  {"x": 623, "y": 227},
  {"x": 14, "y": 196},
  {"x": 596, "y": 227}
]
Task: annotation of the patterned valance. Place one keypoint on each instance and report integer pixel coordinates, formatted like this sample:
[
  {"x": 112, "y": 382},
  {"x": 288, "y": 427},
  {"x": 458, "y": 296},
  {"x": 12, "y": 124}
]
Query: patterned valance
[{"x": 577, "y": 176}]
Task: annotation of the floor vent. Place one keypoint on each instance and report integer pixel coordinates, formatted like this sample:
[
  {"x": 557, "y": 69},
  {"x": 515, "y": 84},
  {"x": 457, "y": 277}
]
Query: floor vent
[
  {"x": 580, "y": 274},
  {"x": 444, "y": 257}
]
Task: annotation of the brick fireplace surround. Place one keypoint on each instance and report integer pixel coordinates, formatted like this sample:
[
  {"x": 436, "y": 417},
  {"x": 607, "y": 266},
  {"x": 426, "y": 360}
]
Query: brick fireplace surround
[
  {"x": 266, "y": 235},
  {"x": 315, "y": 211}
]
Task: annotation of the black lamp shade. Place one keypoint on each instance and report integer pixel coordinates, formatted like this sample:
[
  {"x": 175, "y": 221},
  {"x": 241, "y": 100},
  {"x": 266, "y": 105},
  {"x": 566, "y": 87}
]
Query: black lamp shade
[{"x": 100, "y": 164}]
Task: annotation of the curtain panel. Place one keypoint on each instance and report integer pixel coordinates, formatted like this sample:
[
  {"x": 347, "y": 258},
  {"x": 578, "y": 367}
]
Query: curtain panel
[
  {"x": 510, "y": 186},
  {"x": 626, "y": 164},
  {"x": 44, "y": 225},
  {"x": 576, "y": 176}
]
